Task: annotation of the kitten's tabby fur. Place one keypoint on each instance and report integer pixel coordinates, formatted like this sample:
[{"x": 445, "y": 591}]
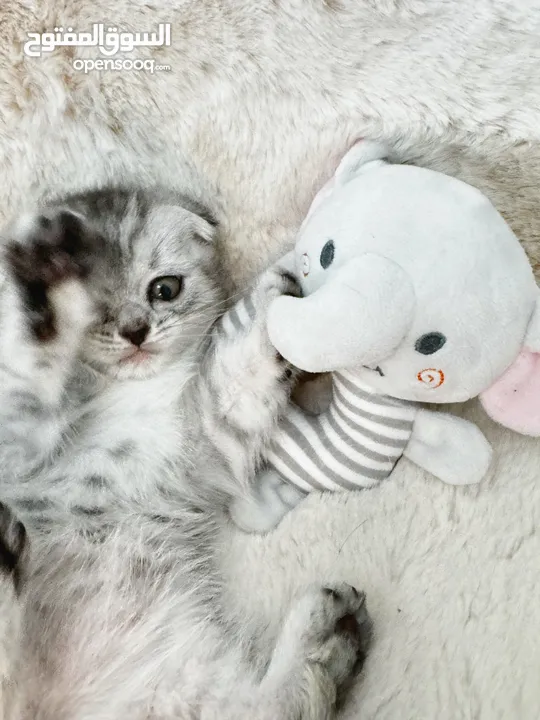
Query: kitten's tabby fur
[{"x": 120, "y": 465}]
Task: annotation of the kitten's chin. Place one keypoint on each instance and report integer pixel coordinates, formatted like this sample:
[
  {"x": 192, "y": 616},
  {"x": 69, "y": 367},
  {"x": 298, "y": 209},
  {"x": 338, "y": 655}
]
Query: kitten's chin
[
  {"x": 141, "y": 366},
  {"x": 135, "y": 372}
]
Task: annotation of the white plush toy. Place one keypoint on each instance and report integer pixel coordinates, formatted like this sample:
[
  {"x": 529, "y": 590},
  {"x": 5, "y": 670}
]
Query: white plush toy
[{"x": 415, "y": 290}]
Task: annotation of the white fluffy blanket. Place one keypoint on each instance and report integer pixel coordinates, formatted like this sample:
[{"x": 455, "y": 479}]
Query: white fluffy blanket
[{"x": 262, "y": 98}]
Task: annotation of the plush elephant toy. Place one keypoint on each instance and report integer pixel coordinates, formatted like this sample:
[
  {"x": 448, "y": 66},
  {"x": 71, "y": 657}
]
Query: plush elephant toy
[{"x": 415, "y": 290}]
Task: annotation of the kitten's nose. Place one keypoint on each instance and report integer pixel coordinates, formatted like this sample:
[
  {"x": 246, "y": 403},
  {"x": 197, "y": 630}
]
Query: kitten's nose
[{"x": 135, "y": 334}]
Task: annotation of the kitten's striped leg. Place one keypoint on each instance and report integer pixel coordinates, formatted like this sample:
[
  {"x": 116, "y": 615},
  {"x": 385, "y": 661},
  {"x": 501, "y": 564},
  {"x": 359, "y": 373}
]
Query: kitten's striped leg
[
  {"x": 245, "y": 381},
  {"x": 249, "y": 380}
]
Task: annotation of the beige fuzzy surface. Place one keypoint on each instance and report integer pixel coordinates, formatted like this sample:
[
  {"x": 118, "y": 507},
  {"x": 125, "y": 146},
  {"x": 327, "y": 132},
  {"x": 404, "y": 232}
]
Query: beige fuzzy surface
[{"x": 262, "y": 98}]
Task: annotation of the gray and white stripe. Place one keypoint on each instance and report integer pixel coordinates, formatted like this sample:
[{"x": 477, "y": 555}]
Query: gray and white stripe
[
  {"x": 355, "y": 443},
  {"x": 239, "y": 317}
]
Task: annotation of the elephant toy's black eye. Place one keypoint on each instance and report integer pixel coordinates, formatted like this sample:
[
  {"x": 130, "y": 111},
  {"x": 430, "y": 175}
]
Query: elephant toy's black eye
[
  {"x": 429, "y": 343},
  {"x": 327, "y": 254}
]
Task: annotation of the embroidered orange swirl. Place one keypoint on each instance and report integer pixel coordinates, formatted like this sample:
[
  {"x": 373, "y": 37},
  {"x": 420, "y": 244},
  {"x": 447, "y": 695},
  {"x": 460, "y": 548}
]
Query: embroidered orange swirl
[{"x": 431, "y": 377}]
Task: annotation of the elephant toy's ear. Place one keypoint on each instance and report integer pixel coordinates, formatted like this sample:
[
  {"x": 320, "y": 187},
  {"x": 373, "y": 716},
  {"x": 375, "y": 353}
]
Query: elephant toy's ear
[
  {"x": 364, "y": 155},
  {"x": 514, "y": 399},
  {"x": 364, "y": 152}
]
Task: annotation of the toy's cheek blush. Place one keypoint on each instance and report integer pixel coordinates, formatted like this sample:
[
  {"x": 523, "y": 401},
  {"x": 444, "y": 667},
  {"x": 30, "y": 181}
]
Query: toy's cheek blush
[
  {"x": 431, "y": 377},
  {"x": 305, "y": 264}
]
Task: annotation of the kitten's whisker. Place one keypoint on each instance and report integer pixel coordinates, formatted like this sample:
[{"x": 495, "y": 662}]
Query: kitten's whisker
[{"x": 235, "y": 296}]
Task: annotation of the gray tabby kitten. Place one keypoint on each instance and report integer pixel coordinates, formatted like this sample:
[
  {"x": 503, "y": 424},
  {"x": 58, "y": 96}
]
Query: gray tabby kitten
[{"x": 127, "y": 422}]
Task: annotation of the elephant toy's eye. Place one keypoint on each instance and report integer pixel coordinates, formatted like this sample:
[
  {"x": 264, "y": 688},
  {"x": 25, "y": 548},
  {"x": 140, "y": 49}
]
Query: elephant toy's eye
[
  {"x": 327, "y": 254},
  {"x": 429, "y": 343}
]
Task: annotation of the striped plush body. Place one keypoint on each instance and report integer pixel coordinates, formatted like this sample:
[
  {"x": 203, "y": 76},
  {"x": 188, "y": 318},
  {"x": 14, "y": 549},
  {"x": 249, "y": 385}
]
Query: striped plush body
[{"x": 355, "y": 443}]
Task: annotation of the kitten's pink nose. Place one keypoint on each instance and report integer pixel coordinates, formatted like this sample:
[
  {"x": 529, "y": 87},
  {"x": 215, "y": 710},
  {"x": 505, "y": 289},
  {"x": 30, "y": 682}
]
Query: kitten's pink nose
[{"x": 135, "y": 334}]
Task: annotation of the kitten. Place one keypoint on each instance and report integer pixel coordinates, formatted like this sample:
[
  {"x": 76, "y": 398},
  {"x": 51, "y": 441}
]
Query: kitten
[{"x": 127, "y": 422}]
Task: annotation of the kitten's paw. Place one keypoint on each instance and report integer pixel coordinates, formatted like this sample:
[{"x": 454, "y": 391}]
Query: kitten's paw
[
  {"x": 13, "y": 545},
  {"x": 337, "y": 631},
  {"x": 250, "y": 312},
  {"x": 252, "y": 380},
  {"x": 273, "y": 283},
  {"x": 55, "y": 247}
]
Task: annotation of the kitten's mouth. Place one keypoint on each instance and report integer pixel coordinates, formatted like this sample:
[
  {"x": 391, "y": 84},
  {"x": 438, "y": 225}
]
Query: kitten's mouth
[{"x": 136, "y": 356}]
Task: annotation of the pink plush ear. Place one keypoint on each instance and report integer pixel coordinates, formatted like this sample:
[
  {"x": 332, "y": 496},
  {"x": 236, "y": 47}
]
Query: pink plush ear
[{"x": 514, "y": 399}]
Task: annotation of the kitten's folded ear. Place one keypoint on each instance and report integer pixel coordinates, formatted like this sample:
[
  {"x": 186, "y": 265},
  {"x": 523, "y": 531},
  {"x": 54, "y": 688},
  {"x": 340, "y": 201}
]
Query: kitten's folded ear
[
  {"x": 205, "y": 229},
  {"x": 206, "y": 223}
]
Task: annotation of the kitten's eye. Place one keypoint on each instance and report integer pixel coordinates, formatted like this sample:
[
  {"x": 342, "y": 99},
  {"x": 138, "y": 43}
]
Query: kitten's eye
[
  {"x": 327, "y": 254},
  {"x": 429, "y": 343},
  {"x": 165, "y": 288}
]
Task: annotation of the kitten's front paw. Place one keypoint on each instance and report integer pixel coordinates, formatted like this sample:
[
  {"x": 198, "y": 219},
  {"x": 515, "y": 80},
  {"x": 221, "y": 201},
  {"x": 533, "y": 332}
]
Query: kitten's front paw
[
  {"x": 57, "y": 248},
  {"x": 274, "y": 282}
]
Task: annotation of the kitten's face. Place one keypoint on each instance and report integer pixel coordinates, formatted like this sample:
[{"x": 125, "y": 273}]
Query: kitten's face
[{"x": 157, "y": 287}]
